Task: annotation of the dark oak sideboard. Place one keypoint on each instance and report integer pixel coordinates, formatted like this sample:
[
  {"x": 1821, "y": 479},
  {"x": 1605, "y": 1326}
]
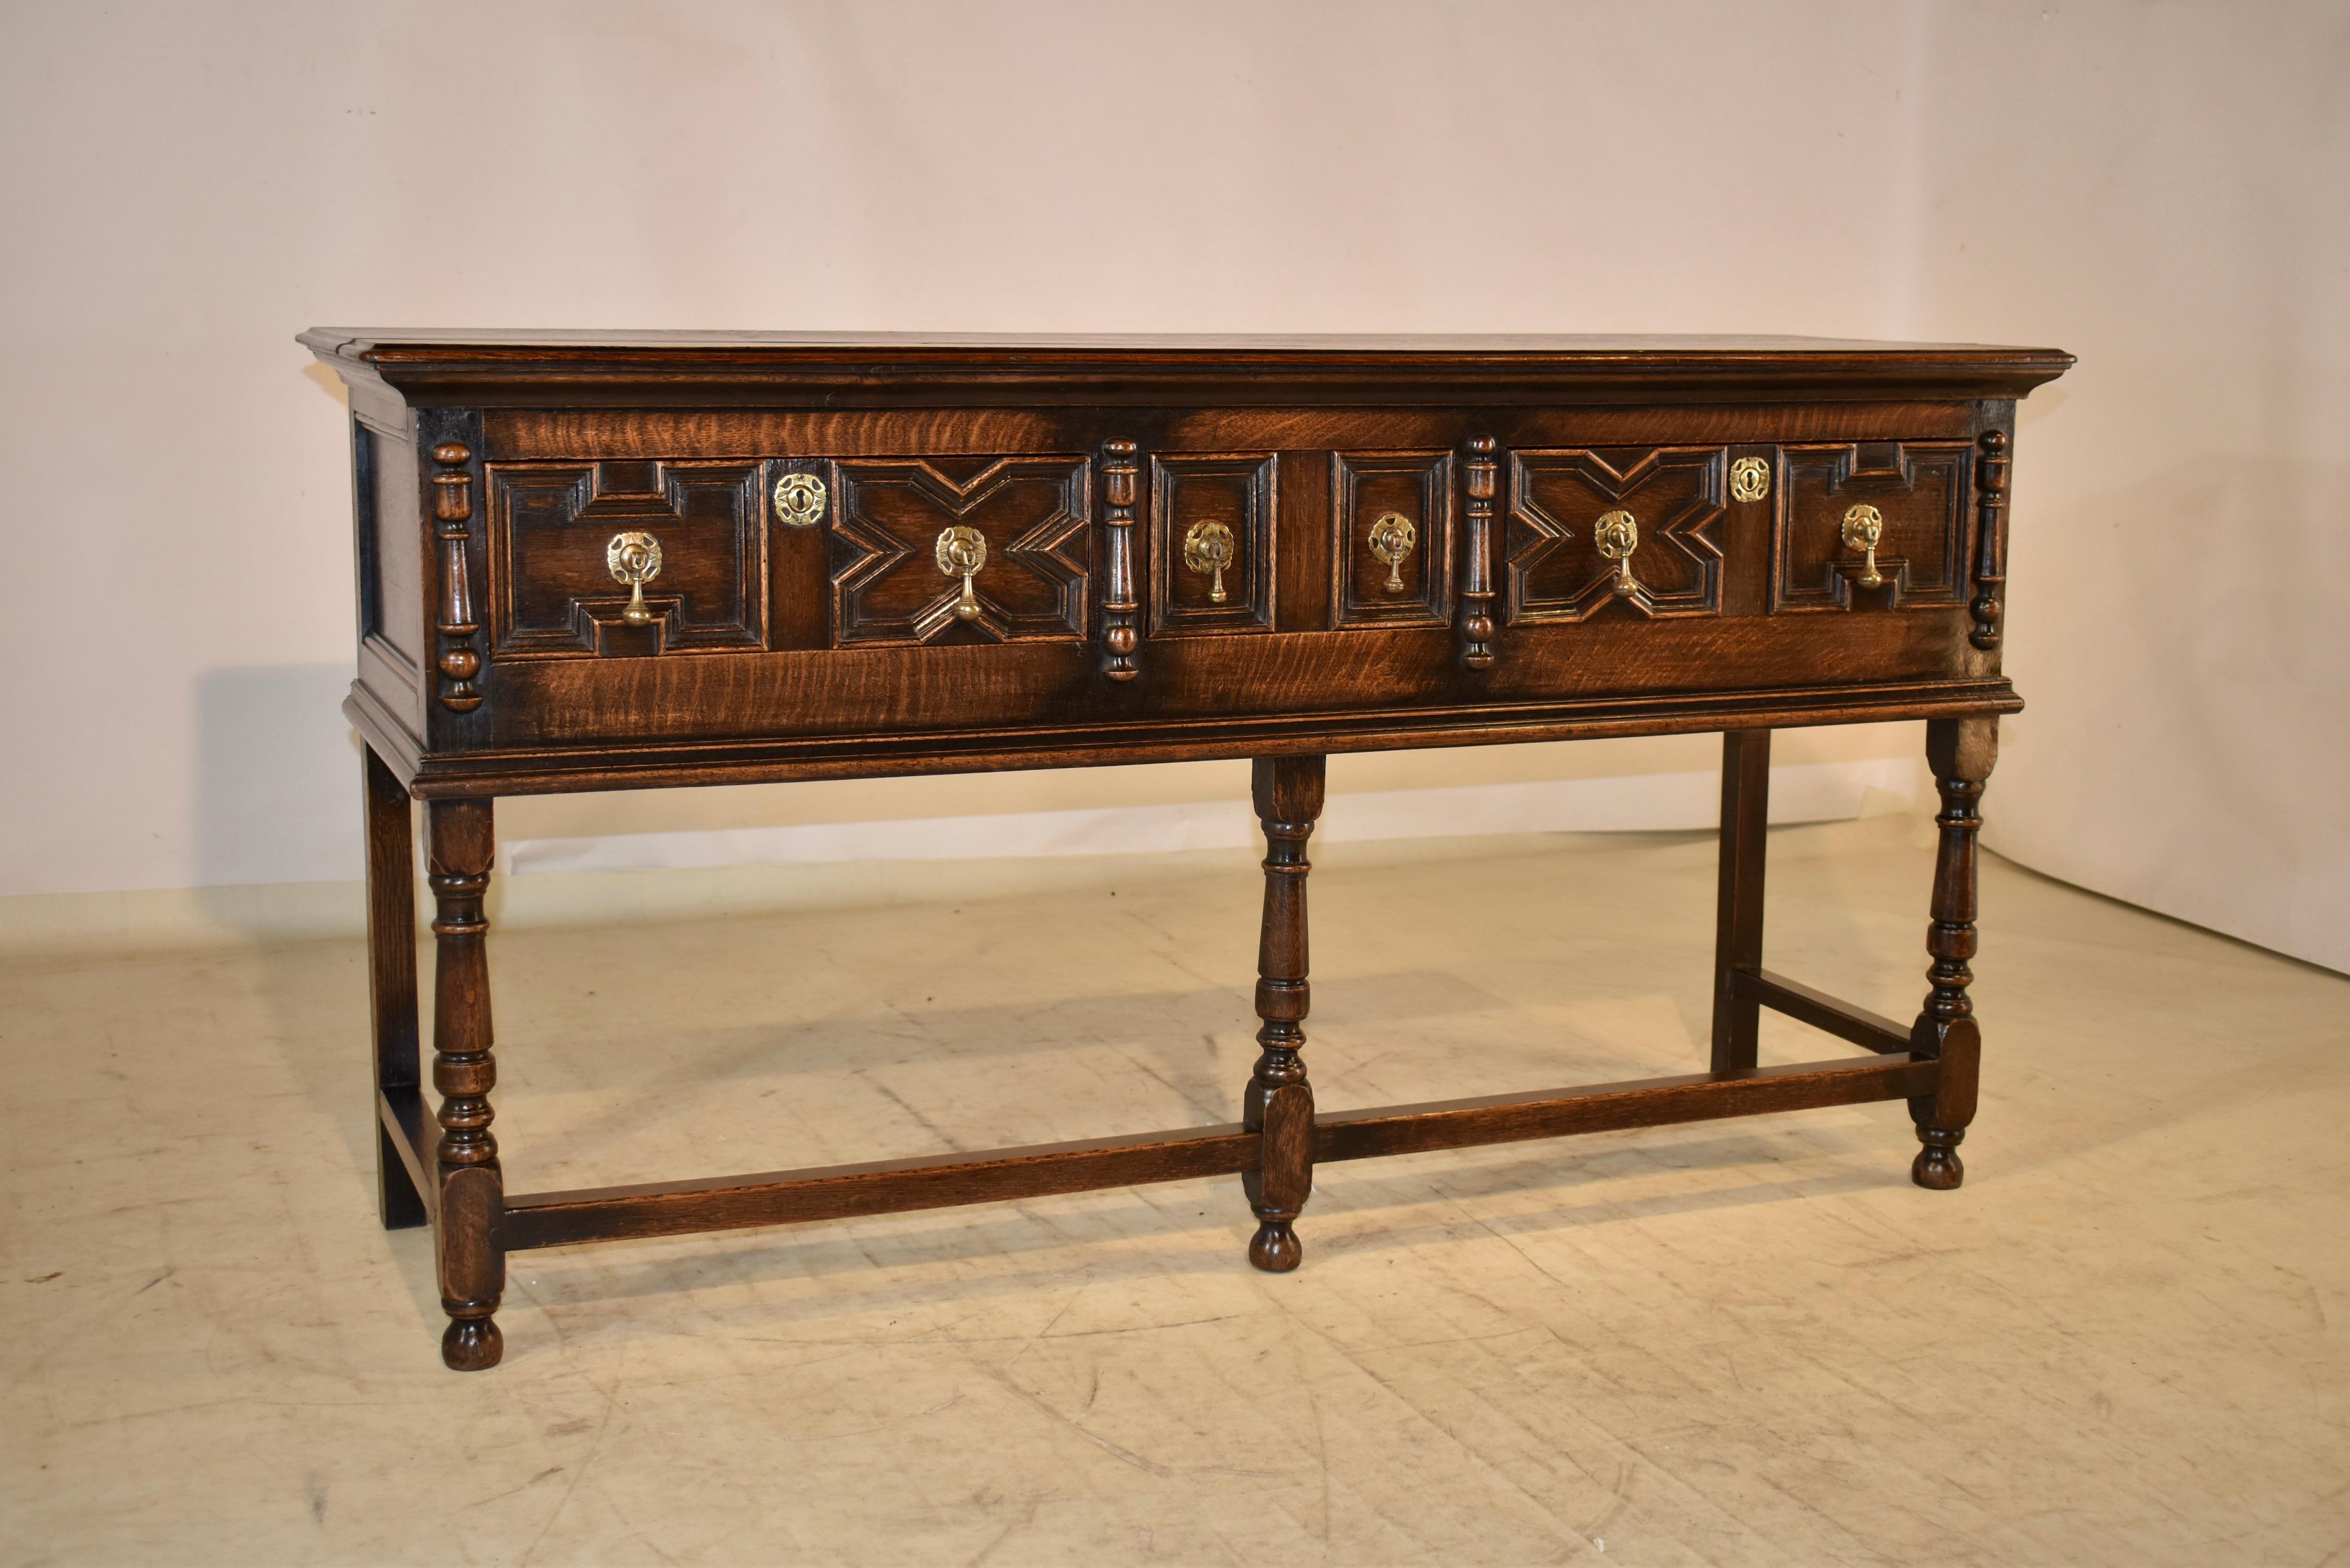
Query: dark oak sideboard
[{"x": 639, "y": 560}]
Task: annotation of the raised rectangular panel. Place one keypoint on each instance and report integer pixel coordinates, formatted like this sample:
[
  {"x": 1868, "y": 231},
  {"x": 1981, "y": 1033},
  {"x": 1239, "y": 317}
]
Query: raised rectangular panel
[
  {"x": 1365, "y": 488},
  {"x": 551, "y": 588},
  {"x": 1238, "y": 490},
  {"x": 1919, "y": 492}
]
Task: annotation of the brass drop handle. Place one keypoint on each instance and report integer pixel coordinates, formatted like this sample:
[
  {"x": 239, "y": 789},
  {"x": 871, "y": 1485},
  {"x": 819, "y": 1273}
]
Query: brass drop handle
[
  {"x": 1392, "y": 537},
  {"x": 1208, "y": 550},
  {"x": 1864, "y": 525},
  {"x": 634, "y": 559},
  {"x": 962, "y": 550},
  {"x": 1617, "y": 534}
]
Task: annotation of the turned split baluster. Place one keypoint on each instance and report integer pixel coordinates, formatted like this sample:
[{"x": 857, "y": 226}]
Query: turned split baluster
[
  {"x": 1477, "y": 555},
  {"x": 1961, "y": 752},
  {"x": 1279, "y": 1105},
  {"x": 471, "y": 1261},
  {"x": 1121, "y": 611}
]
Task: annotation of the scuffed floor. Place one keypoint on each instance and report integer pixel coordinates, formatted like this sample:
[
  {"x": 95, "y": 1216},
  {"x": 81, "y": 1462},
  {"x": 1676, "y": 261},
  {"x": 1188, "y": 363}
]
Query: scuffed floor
[{"x": 2125, "y": 1341}]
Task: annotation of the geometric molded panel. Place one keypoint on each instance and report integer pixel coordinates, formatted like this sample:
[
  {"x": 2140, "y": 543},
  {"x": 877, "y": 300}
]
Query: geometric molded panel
[
  {"x": 551, "y": 588},
  {"x": 1918, "y": 488},
  {"x": 1237, "y": 490},
  {"x": 886, "y": 588},
  {"x": 1365, "y": 486},
  {"x": 1555, "y": 570}
]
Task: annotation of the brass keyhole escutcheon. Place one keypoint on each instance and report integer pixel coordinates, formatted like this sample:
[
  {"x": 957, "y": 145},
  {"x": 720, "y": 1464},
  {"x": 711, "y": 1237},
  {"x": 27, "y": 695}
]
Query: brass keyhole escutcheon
[
  {"x": 1750, "y": 479},
  {"x": 799, "y": 500},
  {"x": 962, "y": 550},
  {"x": 1864, "y": 525},
  {"x": 1208, "y": 550},
  {"x": 1617, "y": 534},
  {"x": 1392, "y": 537},
  {"x": 634, "y": 559}
]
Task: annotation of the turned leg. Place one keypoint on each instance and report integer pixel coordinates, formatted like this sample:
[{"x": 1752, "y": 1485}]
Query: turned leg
[
  {"x": 1279, "y": 1105},
  {"x": 1961, "y": 752},
  {"x": 473, "y": 1266},
  {"x": 391, "y": 977},
  {"x": 1738, "y": 915}
]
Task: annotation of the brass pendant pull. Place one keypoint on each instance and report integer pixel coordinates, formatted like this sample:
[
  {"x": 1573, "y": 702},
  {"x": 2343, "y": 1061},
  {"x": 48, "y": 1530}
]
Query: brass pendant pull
[
  {"x": 1617, "y": 534},
  {"x": 1863, "y": 526},
  {"x": 1392, "y": 537},
  {"x": 962, "y": 550},
  {"x": 1208, "y": 550},
  {"x": 799, "y": 500},
  {"x": 634, "y": 559}
]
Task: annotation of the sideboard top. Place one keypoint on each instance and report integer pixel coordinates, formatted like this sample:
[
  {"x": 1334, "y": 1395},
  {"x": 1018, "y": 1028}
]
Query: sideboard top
[{"x": 502, "y": 366}]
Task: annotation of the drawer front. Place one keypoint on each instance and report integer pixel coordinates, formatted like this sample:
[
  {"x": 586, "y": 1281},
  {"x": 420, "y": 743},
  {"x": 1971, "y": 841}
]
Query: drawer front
[
  {"x": 1913, "y": 494},
  {"x": 1589, "y": 528},
  {"x": 1391, "y": 527},
  {"x": 903, "y": 530},
  {"x": 1214, "y": 542},
  {"x": 552, "y": 528},
  {"x": 874, "y": 574}
]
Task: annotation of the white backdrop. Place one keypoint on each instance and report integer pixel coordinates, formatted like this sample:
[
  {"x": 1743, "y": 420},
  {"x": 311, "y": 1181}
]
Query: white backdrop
[{"x": 2155, "y": 188}]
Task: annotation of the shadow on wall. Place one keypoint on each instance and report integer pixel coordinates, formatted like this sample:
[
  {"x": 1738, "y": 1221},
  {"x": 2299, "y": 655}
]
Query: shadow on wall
[
  {"x": 2166, "y": 757},
  {"x": 277, "y": 780}
]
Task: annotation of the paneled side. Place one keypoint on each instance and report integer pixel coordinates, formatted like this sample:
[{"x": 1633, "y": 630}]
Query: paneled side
[
  {"x": 894, "y": 581},
  {"x": 552, "y": 526},
  {"x": 1212, "y": 545},
  {"x": 395, "y": 556},
  {"x": 1917, "y": 491},
  {"x": 1391, "y": 538},
  {"x": 1559, "y": 504}
]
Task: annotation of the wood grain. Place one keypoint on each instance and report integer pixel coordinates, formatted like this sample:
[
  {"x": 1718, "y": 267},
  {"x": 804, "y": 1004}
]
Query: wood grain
[
  {"x": 1278, "y": 1104},
  {"x": 461, "y": 843},
  {"x": 391, "y": 976},
  {"x": 826, "y": 643},
  {"x": 940, "y": 1181},
  {"x": 1602, "y": 1107},
  {"x": 1738, "y": 910},
  {"x": 1869, "y": 1031},
  {"x": 1961, "y": 752},
  {"x": 881, "y": 1187}
]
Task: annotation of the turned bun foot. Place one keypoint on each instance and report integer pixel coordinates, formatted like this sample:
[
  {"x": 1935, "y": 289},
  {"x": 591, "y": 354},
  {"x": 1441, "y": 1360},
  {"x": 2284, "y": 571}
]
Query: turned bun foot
[
  {"x": 472, "y": 1345},
  {"x": 1275, "y": 1250},
  {"x": 1938, "y": 1166}
]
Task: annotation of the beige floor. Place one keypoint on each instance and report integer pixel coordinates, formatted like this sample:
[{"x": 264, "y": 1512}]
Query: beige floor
[{"x": 2125, "y": 1341}]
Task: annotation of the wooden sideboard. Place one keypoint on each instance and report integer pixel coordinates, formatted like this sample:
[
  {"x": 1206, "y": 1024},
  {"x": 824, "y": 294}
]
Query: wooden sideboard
[{"x": 638, "y": 560}]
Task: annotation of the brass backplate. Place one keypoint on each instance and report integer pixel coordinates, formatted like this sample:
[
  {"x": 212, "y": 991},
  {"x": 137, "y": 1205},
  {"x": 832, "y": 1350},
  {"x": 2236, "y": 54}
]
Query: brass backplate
[
  {"x": 799, "y": 500},
  {"x": 1208, "y": 550},
  {"x": 1392, "y": 538}
]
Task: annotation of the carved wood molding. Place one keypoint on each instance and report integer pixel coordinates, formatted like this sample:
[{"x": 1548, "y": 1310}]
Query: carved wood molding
[
  {"x": 1239, "y": 489},
  {"x": 551, "y": 589},
  {"x": 1033, "y": 512},
  {"x": 1366, "y": 486},
  {"x": 1556, "y": 571},
  {"x": 1919, "y": 489}
]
